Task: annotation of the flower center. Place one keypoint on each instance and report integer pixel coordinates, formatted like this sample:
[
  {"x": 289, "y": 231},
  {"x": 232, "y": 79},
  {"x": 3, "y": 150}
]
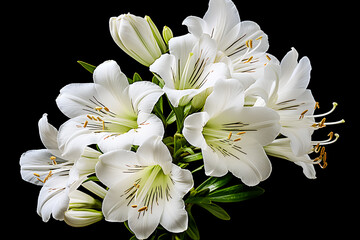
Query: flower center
[
  {"x": 149, "y": 190},
  {"x": 102, "y": 119}
]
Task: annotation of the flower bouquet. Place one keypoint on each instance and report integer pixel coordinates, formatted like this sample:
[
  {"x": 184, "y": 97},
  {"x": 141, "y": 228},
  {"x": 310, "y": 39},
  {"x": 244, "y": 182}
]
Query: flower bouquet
[{"x": 217, "y": 105}]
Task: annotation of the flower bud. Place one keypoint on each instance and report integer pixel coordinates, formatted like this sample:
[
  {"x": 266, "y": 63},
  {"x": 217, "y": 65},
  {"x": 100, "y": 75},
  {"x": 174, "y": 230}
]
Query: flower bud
[
  {"x": 82, "y": 217},
  {"x": 137, "y": 37},
  {"x": 167, "y": 34},
  {"x": 156, "y": 34}
]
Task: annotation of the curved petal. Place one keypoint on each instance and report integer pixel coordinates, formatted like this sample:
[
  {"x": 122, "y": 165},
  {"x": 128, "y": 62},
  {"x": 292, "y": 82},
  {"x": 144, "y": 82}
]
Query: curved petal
[
  {"x": 37, "y": 164},
  {"x": 155, "y": 152},
  {"x": 213, "y": 165},
  {"x": 53, "y": 198},
  {"x": 196, "y": 25},
  {"x": 163, "y": 67},
  {"x": 143, "y": 224},
  {"x": 113, "y": 166},
  {"x": 144, "y": 95},
  {"x": 252, "y": 167},
  {"x": 183, "y": 180},
  {"x": 73, "y": 137},
  {"x": 73, "y": 97},
  {"x": 228, "y": 94},
  {"x": 193, "y": 127},
  {"x": 48, "y": 135},
  {"x": 175, "y": 217}
]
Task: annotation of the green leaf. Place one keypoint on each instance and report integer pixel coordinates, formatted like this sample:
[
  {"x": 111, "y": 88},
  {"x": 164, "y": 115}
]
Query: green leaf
[
  {"x": 236, "y": 193},
  {"x": 192, "y": 231},
  {"x": 214, "y": 183},
  {"x": 87, "y": 66},
  {"x": 136, "y": 77},
  {"x": 171, "y": 118},
  {"x": 192, "y": 158},
  {"x": 215, "y": 210}
]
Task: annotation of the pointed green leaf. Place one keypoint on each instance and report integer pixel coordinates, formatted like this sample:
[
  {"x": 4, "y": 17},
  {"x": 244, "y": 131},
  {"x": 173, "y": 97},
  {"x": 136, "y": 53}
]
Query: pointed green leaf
[
  {"x": 87, "y": 66},
  {"x": 214, "y": 183},
  {"x": 236, "y": 193},
  {"x": 192, "y": 158},
  {"x": 136, "y": 77},
  {"x": 215, "y": 210}
]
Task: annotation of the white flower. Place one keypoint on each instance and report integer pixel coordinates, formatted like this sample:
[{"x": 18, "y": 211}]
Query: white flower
[
  {"x": 58, "y": 176},
  {"x": 243, "y": 43},
  {"x": 145, "y": 188},
  {"x": 138, "y": 37},
  {"x": 232, "y": 136},
  {"x": 283, "y": 88},
  {"x": 189, "y": 69},
  {"x": 108, "y": 112}
]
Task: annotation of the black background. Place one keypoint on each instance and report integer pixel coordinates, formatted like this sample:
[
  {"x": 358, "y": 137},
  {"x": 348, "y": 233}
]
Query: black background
[{"x": 42, "y": 43}]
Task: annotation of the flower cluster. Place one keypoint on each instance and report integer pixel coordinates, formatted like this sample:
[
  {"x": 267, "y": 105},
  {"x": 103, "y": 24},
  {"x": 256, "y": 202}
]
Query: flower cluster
[{"x": 218, "y": 103}]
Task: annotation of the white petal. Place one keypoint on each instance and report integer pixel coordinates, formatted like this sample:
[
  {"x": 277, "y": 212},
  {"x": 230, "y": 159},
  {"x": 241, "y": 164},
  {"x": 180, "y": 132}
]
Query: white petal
[
  {"x": 196, "y": 25},
  {"x": 308, "y": 169},
  {"x": 73, "y": 137},
  {"x": 193, "y": 127},
  {"x": 48, "y": 135},
  {"x": 213, "y": 164},
  {"x": 180, "y": 97},
  {"x": 163, "y": 67},
  {"x": 175, "y": 218},
  {"x": 222, "y": 17},
  {"x": 112, "y": 165},
  {"x": 155, "y": 152},
  {"x": 144, "y": 95},
  {"x": 111, "y": 87},
  {"x": 115, "y": 205},
  {"x": 73, "y": 97},
  {"x": 252, "y": 167},
  {"x": 183, "y": 180},
  {"x": 227, "y": 95},
  {"x": 37, "y": 162},
  {"x": 53, "y": 198},
  {"x": 143, "y": 224}
]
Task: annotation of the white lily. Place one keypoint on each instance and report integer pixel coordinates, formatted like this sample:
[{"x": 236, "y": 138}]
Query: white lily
[
  {"x": 189, "y": 70},
  {"x": 231, "y": 136},
  {"x": 57, "y": 175},
  {"x": 283, "y": 88},
  {"x": 138, "y": 37},
  {"x": 244, "y": 43},
  {"x": 145, "y": 188},
  {"x": 108, "y": 112}
]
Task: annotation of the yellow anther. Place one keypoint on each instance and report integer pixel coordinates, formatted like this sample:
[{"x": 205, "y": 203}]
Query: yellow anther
[
  {"x": 259, "y": 38},
  {"x": 134, "y": 206},
  {"x": 249, "y": 59},
  {"x": 106, "y": 109},
  {"x": 240, "y": 133},
  {"x": 229, "y": 136},
  {"x": 249, "y": 43},
  {"x": 303, "y": 114},
  {"x": 85, "y": 124},
  {"x": 98, "y": 108},
  {"x": 142, "y": 209},
  {"x": 331, "y": 135},
  {"x": 268, "y": 57},
  {"x": 317, "y": 106},
  {"x": 36, "y": 174},
  {"x": 238, "y": 139}
]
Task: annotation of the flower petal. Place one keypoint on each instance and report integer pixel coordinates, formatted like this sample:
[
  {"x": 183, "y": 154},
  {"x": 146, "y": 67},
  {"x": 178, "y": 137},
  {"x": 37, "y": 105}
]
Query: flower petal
[
  {"x": 48, "y": 135},
  {"x": 144, "y": 95},
  {"x": 73, "y": 97},
  {"x": 193, "y": 127},
  {"x": 112, "y": 165},
  {"x": 155, "y": 152},
  {"x": 175, "y": 218}
]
